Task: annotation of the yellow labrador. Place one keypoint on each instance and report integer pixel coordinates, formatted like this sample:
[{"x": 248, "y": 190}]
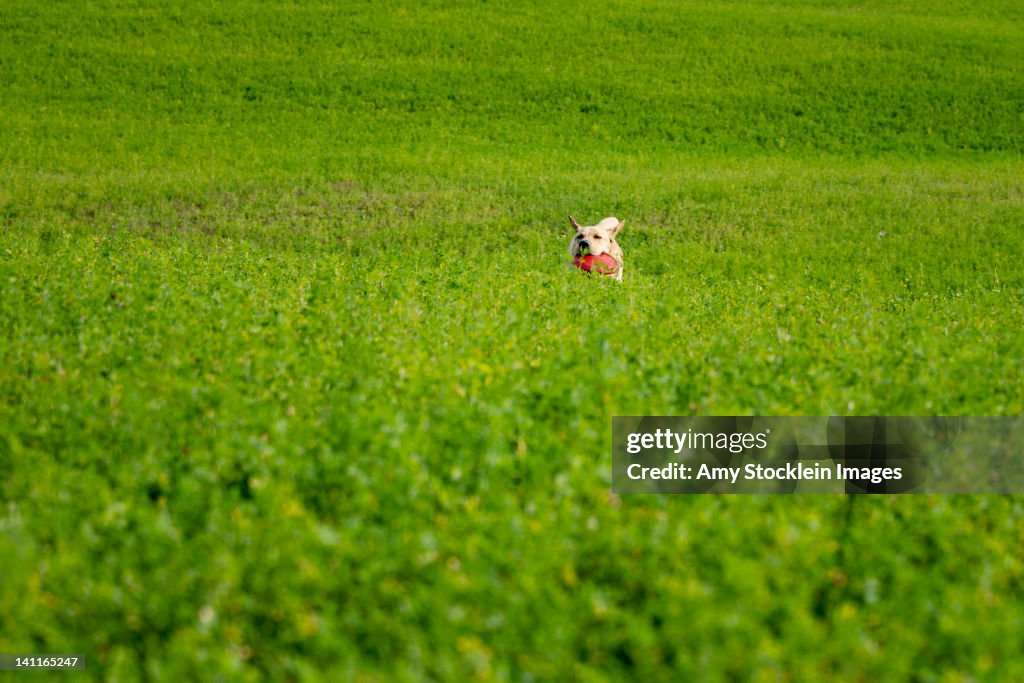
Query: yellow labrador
[{"x": 597, "y": 240}]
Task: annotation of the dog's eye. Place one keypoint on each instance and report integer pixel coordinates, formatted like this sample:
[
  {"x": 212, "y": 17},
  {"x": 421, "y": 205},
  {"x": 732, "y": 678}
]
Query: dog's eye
[{"x": 579, "y": 237}]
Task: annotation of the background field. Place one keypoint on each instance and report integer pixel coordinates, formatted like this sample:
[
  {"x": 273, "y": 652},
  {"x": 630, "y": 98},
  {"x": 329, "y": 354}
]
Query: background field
[{"x": 296, "y": 382}]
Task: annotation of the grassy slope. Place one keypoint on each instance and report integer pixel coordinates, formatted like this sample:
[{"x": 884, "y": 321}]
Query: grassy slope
[{"x": 295, "y": 377}]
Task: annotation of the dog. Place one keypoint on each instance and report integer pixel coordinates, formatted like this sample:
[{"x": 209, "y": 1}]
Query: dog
[{"x": 597, "y": 239}]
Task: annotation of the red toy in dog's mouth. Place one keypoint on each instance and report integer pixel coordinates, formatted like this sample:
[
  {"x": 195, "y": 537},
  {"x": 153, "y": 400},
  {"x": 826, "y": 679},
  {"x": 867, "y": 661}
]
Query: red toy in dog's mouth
[{"x": 604, "y": 264}]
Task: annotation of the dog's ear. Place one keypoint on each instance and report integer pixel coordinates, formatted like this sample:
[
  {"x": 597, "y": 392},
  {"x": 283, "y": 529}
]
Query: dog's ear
[
  {"x": 574, "y": 224},
  {"x": 617, "y": 228}
]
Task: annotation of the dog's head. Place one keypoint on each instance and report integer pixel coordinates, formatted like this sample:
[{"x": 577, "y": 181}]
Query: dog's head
[{"x": 596, "y": 239}]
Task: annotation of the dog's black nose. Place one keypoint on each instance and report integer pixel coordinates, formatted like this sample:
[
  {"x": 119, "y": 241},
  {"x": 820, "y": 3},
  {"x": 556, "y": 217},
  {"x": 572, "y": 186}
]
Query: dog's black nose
[{"x": 584, "y": 244}]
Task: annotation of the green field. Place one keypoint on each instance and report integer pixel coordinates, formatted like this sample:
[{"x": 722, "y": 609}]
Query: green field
[{"x": 296, "y": 382}]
